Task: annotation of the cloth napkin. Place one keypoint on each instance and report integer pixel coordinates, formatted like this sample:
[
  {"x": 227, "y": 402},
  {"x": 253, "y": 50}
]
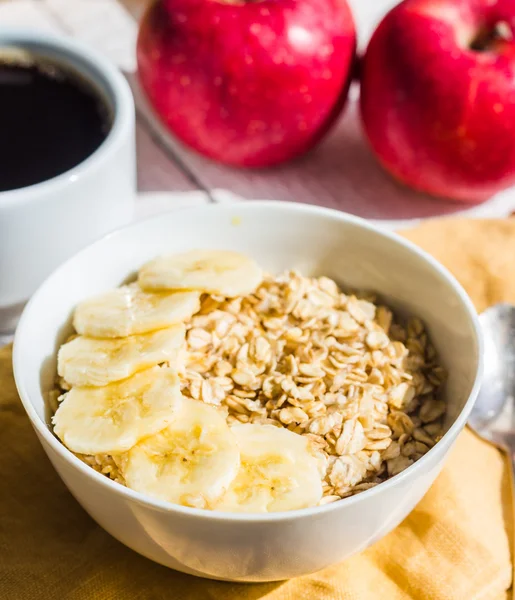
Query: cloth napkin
[{"x": 455, "y": 545}]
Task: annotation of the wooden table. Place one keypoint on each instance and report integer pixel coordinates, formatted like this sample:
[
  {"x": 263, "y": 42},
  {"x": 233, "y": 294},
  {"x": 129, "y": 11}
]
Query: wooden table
[{"x": 341, "y": 173}]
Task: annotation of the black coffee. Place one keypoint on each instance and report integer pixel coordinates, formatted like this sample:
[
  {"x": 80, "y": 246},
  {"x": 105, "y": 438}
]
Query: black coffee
[{"x": 50, "y": 121}]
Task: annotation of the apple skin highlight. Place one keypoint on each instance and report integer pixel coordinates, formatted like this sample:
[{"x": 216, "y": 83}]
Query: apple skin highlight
[
  {"x": 438, "y": 96},
  {"x": 247, "y": 83}
]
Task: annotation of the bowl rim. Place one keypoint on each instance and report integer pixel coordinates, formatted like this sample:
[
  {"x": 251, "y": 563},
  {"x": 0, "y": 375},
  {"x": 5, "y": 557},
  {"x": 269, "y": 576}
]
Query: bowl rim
[{"x": 110, "y": 485}]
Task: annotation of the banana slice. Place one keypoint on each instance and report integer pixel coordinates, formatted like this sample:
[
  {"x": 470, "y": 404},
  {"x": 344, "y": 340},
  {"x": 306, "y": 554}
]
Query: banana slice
[
  {"x": 129, "y": 310},
  {"x": 113, "y": 418},
  {"x": 89, "y": 361},
  {"x": 191, "y": 462},
  {"x": 215, "y": 271},
  {"x": 278, "y": 471}
]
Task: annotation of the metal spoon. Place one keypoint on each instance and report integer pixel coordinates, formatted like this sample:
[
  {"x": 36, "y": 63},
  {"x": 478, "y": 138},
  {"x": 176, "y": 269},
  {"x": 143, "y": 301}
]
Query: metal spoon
[{"x": 493, "y": 415}]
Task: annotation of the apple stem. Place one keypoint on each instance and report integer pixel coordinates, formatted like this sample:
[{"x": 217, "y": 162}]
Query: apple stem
[{"x": 488, "y": 37}]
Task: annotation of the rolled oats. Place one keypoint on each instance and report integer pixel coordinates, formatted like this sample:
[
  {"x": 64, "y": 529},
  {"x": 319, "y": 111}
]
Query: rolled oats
[
  {"x": 397, "y": 465},
  {"x": 431, "y": 410},
  {"x": 337, "y": 368},
  {"x": 393, "y": 451}
]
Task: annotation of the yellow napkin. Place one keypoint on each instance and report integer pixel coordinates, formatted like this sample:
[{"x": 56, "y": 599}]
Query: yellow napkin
[{"x": 454, "y": 546}]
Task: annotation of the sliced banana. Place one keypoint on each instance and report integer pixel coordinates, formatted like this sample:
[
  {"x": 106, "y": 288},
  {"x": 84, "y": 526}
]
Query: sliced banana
[
  {"x": 215, "y": 271},
  {"x": 90, "y": 361},
  {"x": 128, "y": 310},
  {"x": 113, "y": 418},
  {"x": 278, "y": 471},
  {"x": 191, "y": 462}
]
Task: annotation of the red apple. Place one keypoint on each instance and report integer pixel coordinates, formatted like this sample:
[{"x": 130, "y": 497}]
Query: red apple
[
  {"x": 438, "y": 96},
  {"x": 246, "y": 82}
]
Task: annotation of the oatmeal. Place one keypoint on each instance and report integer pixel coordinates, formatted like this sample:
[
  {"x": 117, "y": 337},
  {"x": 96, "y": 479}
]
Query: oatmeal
[
  {"x": 301, "y": 354},
  {"x": 336, "y": 394}
]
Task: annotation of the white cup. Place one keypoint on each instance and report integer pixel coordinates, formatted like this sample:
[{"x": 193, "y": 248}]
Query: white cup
[{"x": 43, "y": 224}]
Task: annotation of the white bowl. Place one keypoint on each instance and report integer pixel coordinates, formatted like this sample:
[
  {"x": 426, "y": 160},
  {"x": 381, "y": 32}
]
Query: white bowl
[{"x": 279, "y": 236}]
